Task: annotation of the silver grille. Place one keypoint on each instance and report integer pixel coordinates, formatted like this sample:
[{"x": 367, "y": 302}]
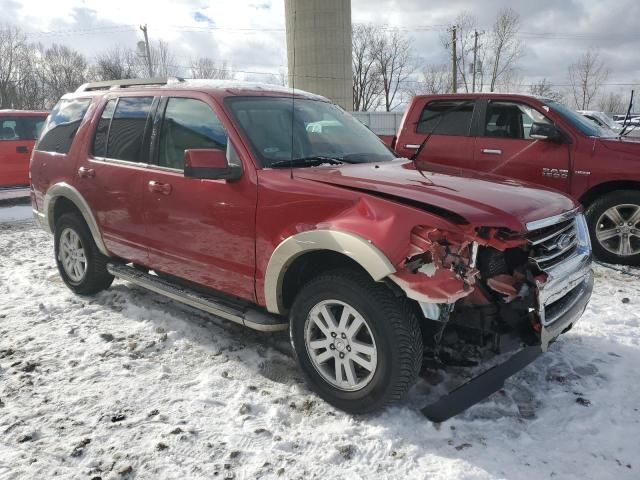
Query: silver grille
[{"x": 552, "y": 244}]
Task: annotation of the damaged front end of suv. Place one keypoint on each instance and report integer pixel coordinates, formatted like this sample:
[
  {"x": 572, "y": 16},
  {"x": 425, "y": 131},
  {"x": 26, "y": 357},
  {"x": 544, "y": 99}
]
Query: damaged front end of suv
[{"x": 488, "y": 292}]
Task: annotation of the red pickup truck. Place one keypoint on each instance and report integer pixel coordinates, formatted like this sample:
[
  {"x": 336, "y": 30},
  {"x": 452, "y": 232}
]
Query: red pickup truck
[
  {"x": 19, "y": 130},
  {"x": 540, "y": 141},
  {"x": 277, "y": 210}
]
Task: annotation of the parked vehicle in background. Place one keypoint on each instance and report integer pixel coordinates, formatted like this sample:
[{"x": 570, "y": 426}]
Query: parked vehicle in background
[
  {"x": 277, "y": 210},
  {"x": 601, "y": 119},
  {"x": 541, "y": 141},
  {"x": 19, "y": 130},
  {"x": 620, "y": 118}
]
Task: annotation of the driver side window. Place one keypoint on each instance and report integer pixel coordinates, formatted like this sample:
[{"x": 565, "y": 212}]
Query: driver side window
[
  {"x": 511, "y": 120},
  {"x": 188, "y": 124}
]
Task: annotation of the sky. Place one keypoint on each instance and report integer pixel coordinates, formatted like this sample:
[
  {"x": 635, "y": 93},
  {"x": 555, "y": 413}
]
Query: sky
[{"x": 249, "y": 34}]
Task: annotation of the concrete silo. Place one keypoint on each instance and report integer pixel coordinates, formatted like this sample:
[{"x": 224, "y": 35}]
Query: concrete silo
[{"x": 319, "y": 35}]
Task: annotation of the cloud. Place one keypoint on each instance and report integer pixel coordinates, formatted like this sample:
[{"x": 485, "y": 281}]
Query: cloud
[{"x": 249, "y": 34}]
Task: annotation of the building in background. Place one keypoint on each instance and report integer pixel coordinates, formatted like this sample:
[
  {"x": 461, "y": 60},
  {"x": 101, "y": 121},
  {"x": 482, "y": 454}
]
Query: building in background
[{"x": 319, "y": 48}]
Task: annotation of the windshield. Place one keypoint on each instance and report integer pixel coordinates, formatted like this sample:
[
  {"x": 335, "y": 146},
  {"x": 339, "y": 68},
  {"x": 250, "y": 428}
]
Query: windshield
[
  {"x": 581, "y": 122},
  {"x": 318, "y": 130}
]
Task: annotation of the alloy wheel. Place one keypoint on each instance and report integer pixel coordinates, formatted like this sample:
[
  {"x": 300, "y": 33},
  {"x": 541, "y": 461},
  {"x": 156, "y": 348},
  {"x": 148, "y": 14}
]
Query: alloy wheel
[
  {"x": 72, "y": 255},
  {"x": 341, "y": 345}
]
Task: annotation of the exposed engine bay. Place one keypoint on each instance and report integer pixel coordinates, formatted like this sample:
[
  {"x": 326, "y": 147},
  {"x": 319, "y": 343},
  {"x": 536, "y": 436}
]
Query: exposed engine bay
[{"x": 479, "y": 295}]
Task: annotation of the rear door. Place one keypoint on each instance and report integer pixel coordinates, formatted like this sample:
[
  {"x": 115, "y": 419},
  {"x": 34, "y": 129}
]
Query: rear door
[
  {"x": 448, "y": 121},
  {"x": 17, "y": 137},
  {"x": 504, "y": 146},
  {"x": 111, "y": 174},
  {"x": 199, "y": 230}
]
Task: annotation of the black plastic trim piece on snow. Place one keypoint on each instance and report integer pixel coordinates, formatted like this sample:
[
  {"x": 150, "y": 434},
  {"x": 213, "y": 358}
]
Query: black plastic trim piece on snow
[{"x": 480, "y": 387}]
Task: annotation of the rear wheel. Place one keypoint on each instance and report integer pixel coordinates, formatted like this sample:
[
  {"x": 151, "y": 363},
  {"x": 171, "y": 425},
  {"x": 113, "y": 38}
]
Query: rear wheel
[
  {"x": 81, "y": 265},
  {"x": 358, "y": 345},
  {"x": 614, "y": 227}
]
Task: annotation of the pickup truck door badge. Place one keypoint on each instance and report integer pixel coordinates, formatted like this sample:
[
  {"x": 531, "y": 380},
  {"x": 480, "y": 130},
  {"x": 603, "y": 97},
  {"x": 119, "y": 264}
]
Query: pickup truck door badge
[{"x": 555, "y": 172}]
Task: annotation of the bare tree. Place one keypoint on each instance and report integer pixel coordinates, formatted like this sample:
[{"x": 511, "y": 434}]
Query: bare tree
[
  {"x": 115, "y": 64},
  {"x": 13, "y": 46},
  {"x": 163, "y": 60},
  {"x": 65, "y": 70},
  {"x": 586, "y": 77},
  {"x": 434, "y": 79},
  {"x": 367, "y": 82},
  {"x": 544, "y": 88},
  {"x": 392, "y": 54},
  {"x": 504, "y": 46},
  {"x": 612, "y": 103},
  {"x": 205, "y": 67}
]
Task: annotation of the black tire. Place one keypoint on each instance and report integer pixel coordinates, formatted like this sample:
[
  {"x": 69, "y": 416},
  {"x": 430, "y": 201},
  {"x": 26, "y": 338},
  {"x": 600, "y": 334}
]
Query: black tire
[
  {"x": 96, "y": 277},
  {"x": 596, "y": 210},
  {"x": 394, "y": 327}
]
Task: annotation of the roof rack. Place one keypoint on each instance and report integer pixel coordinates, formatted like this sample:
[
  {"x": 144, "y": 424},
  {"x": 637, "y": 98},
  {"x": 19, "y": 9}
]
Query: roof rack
[{"x": 130, "y": 82}]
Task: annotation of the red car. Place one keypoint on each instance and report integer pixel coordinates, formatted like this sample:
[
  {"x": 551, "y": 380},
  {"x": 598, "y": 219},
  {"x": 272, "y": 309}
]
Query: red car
[
  {"x": 540, "y": 141},
  {"x": 19, "y": 130},
  {"x": 279, "y": 211}
]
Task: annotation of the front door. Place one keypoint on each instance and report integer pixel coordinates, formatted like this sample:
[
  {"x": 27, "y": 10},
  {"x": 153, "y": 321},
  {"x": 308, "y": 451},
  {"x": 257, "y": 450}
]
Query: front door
[
  {"x": 199, "y": 230},
  {"x": 447, "y": 125},
  {"x": 504, "y": 146}
]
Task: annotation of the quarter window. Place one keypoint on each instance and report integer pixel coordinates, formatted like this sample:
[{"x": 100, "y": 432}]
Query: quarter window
[
  {"x": 446, "y": 117},
  {"x": 62, "y": 124},
  {"x": 511, "y": 120},
  {"x": 188, "y": 124},
  {"x": 127, "y": 130}
]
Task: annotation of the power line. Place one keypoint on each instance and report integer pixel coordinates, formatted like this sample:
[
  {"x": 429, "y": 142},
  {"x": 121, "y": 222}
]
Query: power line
[{"x": 416, "y": 28}]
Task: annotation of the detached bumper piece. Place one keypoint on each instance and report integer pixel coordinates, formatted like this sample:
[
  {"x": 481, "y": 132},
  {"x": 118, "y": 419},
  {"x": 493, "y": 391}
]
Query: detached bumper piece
[
  {"x": 480, "y": 387},
  {"x": 564, "y": 313}
]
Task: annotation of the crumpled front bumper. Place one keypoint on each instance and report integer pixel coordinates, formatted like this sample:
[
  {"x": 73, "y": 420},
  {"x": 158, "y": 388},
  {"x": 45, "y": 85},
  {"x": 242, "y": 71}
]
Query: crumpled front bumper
[
  {"x": 562, "y": 299},
  {"x": 489, "y": 382}
]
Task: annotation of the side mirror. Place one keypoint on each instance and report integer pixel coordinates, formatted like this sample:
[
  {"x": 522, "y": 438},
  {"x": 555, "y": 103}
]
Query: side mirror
[
  {"x": 545, "y": 131},
  {"x": 209, "y": 164}
]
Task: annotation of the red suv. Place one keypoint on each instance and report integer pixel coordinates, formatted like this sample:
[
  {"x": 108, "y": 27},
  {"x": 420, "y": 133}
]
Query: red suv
[
  {"x": 277, "y": 210},
  {"x": 18, "y": 132},
  {"x": 537, "y": 140}
]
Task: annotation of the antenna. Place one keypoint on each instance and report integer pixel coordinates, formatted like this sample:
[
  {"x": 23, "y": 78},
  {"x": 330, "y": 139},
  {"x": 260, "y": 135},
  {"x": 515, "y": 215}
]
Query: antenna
[{"x": 293, "y": 90}]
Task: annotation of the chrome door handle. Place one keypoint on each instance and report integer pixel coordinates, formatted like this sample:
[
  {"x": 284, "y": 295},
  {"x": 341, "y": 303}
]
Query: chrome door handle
[
  {"x": 491, "y": 151},
  {"x": 163, "y": 188},
  {"x": 412, "y": 146},
  {"x": 85, "y": 172}
]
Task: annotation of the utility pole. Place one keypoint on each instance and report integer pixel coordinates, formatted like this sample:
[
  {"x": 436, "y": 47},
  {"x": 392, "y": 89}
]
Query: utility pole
[
  {"x": 475, "y": 56},
  {"x": 454, "y": 57},
  {"x": 148, "y": 51}
]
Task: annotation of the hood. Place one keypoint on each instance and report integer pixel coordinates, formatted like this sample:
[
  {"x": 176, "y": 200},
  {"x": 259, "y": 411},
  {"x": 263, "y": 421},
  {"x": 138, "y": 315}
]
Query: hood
[
  {"x": 623, "y": 145},
  {"x": 482, "y": 200}
]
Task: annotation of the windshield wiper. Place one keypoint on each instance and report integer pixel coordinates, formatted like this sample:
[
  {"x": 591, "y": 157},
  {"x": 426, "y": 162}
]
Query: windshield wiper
[{"x": 310, "y": 161}]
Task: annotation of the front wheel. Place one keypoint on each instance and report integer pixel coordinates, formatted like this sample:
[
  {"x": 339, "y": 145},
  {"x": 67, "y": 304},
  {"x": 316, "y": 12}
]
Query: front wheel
[
  {"x": 359, "y": 346},
  {"x": 614, "y": 227}
]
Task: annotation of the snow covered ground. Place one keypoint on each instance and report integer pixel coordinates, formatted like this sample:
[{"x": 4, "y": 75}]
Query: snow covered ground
[{"x": 131, "y": 385}]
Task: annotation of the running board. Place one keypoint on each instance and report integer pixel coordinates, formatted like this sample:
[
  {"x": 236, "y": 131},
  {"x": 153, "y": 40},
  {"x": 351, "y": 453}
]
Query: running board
[{"x": 244, "y": 315}]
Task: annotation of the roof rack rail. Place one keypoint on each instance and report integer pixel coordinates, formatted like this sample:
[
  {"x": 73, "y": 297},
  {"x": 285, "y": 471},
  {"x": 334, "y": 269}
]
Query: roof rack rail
[{"x": 130, "y": 82}]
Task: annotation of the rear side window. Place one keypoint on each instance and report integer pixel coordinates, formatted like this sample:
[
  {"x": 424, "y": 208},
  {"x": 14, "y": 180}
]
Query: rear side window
[
  {"x": 446, "y": 117},
  {"x": 20, "y": 128},
  {"x": 188, "y": 124},
  {"x": 102, "y": 131},
  {"x": 126, "y": 133},
  {"x": 62, "y": 125}
]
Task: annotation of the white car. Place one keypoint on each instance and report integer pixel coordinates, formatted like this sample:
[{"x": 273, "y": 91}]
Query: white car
[{"x": 601, "y": 119}]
